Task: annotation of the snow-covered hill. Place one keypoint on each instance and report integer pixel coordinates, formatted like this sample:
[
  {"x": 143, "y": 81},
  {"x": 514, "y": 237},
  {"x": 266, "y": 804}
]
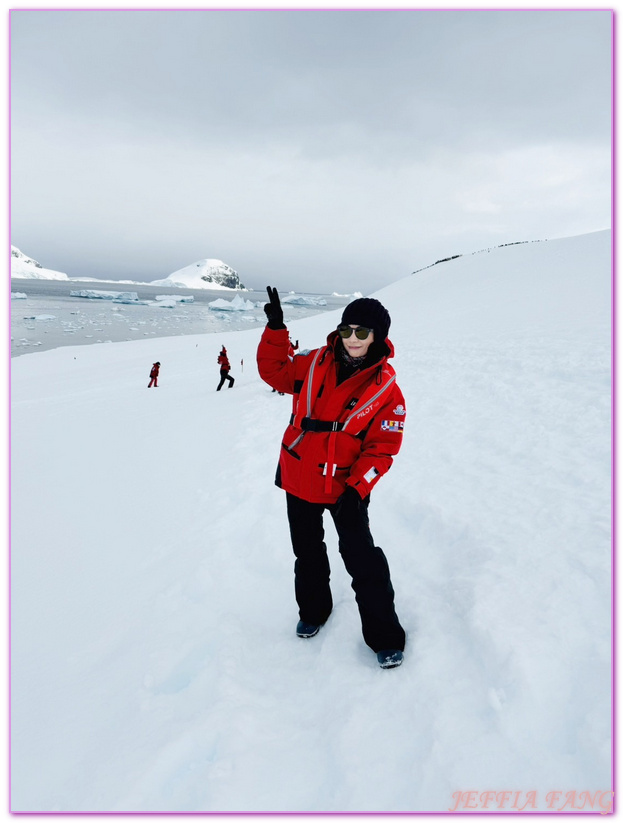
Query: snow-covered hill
[
  {"x": 27, "y": 268},
  {"x": 154, "y": 661},
  {"x": 204, "y": 274}
]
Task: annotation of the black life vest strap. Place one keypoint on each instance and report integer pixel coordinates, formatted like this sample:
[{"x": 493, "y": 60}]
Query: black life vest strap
[{"x": 309, "y": 424}]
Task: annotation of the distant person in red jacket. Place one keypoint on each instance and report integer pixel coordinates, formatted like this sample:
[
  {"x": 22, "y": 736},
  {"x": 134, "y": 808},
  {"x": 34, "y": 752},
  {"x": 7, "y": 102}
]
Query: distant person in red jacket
[
  {"x": 223, "y": 361},
  {"x": 155, "y": 371},
  {"x": 347, "y": 425}
]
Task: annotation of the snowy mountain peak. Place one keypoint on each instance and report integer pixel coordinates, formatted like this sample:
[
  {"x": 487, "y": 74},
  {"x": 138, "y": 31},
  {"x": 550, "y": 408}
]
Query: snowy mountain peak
[
  {"x": 204, "y": 274},
  {"x": 27, "y": 268},
  {"x": 15, "y": 252}
]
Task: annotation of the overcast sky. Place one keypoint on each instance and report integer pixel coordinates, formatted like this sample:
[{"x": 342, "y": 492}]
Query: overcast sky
[{"x": 315, "y": 150}]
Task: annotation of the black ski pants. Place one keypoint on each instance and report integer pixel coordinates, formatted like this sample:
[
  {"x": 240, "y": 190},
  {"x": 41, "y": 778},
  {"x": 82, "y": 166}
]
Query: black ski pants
[
  {"x": 365, "y": 562},
  {"x": 225, "y": 376}
]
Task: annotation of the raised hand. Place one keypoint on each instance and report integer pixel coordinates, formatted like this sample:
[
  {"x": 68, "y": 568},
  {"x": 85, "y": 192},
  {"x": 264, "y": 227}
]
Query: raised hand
[{"x": 273, "y": 310}]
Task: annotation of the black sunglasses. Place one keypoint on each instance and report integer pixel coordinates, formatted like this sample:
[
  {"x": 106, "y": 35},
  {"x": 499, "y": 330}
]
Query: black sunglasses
[{"x": 361, "y": 332}]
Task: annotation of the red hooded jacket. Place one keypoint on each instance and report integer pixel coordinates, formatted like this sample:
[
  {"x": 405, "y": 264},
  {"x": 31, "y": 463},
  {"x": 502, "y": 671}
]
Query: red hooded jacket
[
  {"x": 339, "y": 435},
  {"x": 223, "y": 361}
]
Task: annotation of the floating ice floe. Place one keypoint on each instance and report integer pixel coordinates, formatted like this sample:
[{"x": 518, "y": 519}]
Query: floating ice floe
[
  {"x": 18, "y": 295},
  {"x": 303, "y": 300},
  {"x": 94, "y": 294},
  {"x": 115, "y": 296},
  {"x": 237, "y": 304},
  {"x": 41, "y": 317},
  {"x": 178, "y": 298}
]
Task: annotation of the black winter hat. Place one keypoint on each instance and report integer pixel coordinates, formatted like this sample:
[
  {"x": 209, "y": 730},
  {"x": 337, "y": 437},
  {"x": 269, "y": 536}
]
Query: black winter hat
[{"x": 366, "y": 311}]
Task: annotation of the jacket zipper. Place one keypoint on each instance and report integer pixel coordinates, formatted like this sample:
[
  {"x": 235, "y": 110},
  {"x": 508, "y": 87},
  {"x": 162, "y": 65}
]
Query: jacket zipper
[{"x": 295, "y": 442}]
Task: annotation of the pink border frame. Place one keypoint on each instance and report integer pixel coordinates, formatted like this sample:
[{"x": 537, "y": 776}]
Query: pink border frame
[
  {"x": 481, "y": 813},
  {"x": 613, "y": 416}
]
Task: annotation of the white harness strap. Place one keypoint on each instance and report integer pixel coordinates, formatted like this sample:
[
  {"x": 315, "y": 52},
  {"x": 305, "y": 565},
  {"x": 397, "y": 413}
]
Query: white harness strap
[
  {"x": 306, "y": 392},
  {"x": 360, "y": 410}
]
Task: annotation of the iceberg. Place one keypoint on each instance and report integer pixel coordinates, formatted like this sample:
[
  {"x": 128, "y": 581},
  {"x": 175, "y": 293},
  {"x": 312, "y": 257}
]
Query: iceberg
[
  {"x": 178, "y": 298},
  {"x": 303, "y": 300},
  {"x": 115, "y": 296},
  {"x": 237, "y": 304},
  {"x": 94, "y": 294}
]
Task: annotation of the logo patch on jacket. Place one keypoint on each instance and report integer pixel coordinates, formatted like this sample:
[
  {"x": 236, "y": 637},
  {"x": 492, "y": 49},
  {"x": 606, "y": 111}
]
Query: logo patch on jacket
[
  {"x": 392, "y": 425},
  {"x": 400, "y": 410},
  {"x": 371, "y": 474}
]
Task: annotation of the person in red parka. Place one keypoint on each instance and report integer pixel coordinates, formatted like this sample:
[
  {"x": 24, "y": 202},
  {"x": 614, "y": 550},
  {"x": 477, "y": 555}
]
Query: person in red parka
[
  {"x": 223, "y": 361},
  {"x": 155, "y": 371},
  {"x": 346, "y": 427}
]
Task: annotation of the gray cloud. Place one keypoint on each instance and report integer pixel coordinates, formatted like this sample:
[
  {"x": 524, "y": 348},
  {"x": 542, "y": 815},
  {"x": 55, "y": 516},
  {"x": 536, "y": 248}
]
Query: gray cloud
[{"x": 343, "y": 146}]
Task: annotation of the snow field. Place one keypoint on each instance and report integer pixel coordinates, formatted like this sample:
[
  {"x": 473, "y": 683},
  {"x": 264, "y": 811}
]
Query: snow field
[{"x": 154, "y": 661}]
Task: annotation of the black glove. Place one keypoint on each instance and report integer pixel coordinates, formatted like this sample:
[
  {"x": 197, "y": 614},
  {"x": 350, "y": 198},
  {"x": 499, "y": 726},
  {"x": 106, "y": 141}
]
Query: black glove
[
  {"x": 349, "y": 499},
  {"x": 273, "y": 310}
]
